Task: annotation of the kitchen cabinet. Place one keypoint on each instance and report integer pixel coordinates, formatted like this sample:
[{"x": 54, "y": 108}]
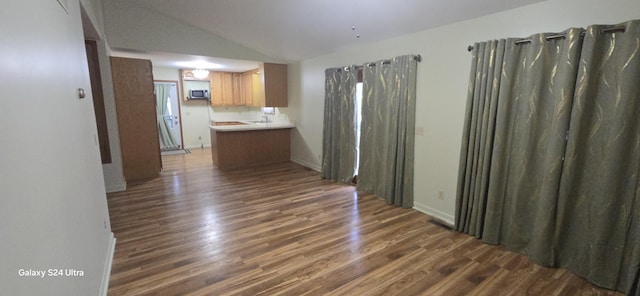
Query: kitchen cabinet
[
  {"x": 249, "y": 91},
  {"x": 226, "y": 89},
  {"x": 238, "y": 93},
  {"x": 221, "y": 85},
  {"x": 234, "y": 149},
  {"x": 269, "y": 86},
  {"x": 262, "y": 87},
  {"x": 137, "y": 118},
  {"x": 273, "y": 78}
]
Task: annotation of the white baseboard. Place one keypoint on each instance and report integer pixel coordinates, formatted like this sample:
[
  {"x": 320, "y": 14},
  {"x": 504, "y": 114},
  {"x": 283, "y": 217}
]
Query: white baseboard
[
  {"x": 106, "y": 273},
  {"x": 312, "y": 166},
  {"x": 116, "y": 187},
  {"x": 197, "y": 147},
  {"x": 450, "y": 219}
]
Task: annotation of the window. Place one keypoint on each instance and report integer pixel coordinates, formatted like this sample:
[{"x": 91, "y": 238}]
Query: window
[{"x": 358, "y": 112}]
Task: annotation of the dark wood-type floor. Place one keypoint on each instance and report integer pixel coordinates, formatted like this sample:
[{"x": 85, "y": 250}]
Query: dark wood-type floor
[{"x": 281, "y": 230}]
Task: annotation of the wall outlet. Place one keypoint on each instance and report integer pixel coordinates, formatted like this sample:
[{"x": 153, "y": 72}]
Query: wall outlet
[
  {"x": 441, "y": 195},
  {"x": 419, "y": 131}
]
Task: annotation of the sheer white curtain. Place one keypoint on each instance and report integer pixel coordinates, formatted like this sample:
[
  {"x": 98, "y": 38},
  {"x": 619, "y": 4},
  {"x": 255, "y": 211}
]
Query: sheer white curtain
[{"x": 167, "y": 142}]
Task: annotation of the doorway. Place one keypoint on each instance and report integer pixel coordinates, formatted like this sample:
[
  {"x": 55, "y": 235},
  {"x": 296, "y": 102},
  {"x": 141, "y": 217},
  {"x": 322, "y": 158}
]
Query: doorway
[{"x": 171, "y": 117}]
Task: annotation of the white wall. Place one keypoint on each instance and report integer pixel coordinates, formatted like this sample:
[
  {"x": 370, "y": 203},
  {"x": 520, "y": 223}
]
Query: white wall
[
  {"x": 53, "y": 210},
  {"x": 93, "y": 23},
  {"x": 196, "y": 115},
  {"x": 442, "y": 85},
  {"x": 113, "y": 172}
]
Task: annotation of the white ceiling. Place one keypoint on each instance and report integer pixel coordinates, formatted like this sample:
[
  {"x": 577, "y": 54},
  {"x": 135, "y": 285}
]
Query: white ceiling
[{"x": 295, "y": 30}]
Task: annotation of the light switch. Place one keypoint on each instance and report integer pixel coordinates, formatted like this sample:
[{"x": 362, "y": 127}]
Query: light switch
[{"x": 419, "y": 131}]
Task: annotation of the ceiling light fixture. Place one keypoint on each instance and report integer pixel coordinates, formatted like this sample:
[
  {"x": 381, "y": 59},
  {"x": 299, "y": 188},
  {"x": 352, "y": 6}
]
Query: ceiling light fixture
[
  {"x": 353, "y": 28},
  {"x": 201, "y": 73}
]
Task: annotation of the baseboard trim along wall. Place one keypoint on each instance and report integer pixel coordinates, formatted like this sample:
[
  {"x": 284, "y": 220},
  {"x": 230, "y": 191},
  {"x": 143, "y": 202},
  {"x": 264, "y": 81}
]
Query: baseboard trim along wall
[
  {"x": 449, "y": 219},
  {"x": 306, "y": 164},
  {"x": 106, "y": 274},
  {"x": 116, "y": 187},
  {"x": 198, "y": 147}
]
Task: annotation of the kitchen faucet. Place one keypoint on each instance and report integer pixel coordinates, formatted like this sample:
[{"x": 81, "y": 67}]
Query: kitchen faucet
[{"x": 266, "y": 118}]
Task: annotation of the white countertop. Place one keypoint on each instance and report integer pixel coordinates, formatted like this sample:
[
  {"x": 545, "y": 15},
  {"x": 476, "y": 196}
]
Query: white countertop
[{"x": 251, "y": 126}]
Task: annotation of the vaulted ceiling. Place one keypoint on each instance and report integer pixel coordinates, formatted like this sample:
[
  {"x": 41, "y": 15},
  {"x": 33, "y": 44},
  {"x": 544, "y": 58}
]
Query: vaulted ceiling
[{"x": 300, "y": 29}]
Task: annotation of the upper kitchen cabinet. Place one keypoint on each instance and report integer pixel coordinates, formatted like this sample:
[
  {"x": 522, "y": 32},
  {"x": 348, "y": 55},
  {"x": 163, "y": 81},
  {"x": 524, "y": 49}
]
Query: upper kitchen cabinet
[
  {"x": 239, "y": 93},
  {"x": 250, "y": 86},
  {"x": 222, "y": 88},
  {"x": 273, "y": 83},
  {"x": 228, "y": 89},
  {"x": 262, "y": 87}
]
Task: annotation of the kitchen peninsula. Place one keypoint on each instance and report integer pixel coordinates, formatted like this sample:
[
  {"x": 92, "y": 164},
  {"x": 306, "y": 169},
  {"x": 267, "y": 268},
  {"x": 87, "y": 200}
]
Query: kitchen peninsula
[{"x": 242, "y": 144}]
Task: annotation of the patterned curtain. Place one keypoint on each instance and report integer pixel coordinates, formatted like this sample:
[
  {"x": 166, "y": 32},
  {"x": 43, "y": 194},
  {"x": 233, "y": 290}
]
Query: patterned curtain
[
  {"x": 339, "y": 132},
  {"x": 479, "y": 130},
  {"x": 599, "y": 223},
  {"x": 550, "y": 163},
  {"x": 532, "y": 119},
  {"x": 387, "y": 130}
]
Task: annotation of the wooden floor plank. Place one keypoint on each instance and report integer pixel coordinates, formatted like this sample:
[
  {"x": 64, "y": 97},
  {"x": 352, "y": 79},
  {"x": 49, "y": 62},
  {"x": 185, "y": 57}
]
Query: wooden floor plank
[{"x": 282, "y": 230}]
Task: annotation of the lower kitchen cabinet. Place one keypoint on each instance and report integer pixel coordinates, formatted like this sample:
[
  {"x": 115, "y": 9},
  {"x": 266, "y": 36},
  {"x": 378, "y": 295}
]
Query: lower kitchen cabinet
[{"x": 246, "y": 148}]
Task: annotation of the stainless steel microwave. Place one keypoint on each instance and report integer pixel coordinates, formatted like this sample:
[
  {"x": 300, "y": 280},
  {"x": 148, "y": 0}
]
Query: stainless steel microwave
[{"x": 198, "y": 94}]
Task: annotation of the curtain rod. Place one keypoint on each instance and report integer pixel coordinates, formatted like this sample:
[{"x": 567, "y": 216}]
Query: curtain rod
[
  {"x": 548, "y": 38},
  {"x": 617, "y": 29},
  {"x": 417, "y": 58}
]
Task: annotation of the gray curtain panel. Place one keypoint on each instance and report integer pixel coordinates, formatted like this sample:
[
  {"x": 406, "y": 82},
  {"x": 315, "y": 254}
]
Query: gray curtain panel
[
  {"x": 532, "y": 119},
  {"x": 167, "y": 142},
  {"x": 598, "y": 230},
  {"x": 553, "y": 172},
  {"x": 477, "y": 141},
  {"x": 339, "y": 132},
  {"x": 387, "y": 130}
]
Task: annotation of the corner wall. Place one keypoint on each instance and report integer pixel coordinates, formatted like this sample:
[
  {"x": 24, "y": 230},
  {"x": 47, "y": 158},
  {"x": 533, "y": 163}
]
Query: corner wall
[
  {"x": 442, "y": 85},
  {"x": 53, "y": 206},
  {"x": 93, "y": 23}
]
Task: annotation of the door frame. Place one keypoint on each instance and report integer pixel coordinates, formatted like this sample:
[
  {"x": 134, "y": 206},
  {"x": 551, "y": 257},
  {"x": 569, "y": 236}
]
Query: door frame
[
  {"x": 93, "y": 64},
  {"x": 179, "y": 98}
]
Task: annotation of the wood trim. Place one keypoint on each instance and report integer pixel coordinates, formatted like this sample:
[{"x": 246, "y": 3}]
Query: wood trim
[
  {"x": 106, "y": 273},
  {"x": 93, "y": 62},
  {"x": 182, "y": 96}
]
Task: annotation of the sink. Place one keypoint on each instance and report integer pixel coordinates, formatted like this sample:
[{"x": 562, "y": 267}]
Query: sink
[{"x": 257, "y": 121}]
